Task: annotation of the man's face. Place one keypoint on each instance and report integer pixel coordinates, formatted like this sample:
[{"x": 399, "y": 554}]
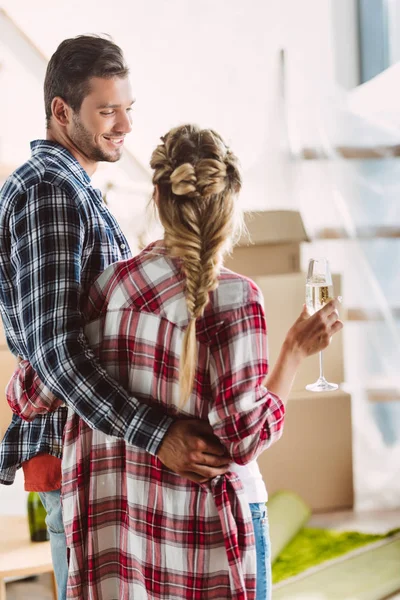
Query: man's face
[{"x": 98, "y": 129}]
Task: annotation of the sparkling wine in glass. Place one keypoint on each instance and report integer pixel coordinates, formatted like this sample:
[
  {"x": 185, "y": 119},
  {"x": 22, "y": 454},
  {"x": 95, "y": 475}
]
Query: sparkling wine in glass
[{"x": 319, "y": 291}]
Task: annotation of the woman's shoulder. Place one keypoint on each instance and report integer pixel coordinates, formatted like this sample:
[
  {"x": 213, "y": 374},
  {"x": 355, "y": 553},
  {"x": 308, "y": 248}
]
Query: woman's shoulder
[
  {"x": 116, "y": 273},
  {"x": 235, "y": 291},
  {"x": 139, "y": 280},
  {"x": 236, "y": 299}
]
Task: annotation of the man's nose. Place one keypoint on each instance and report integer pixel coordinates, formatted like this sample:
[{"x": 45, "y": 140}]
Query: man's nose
[{"x": 124, "y": 124}]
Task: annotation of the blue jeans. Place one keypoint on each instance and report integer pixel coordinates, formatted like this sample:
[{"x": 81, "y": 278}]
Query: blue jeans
[
  {"x": 54, "y": 521},
  {"x": 263, "y": 551}
]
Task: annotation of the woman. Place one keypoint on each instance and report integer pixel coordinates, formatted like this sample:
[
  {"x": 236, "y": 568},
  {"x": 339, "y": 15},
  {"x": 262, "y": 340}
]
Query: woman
[{"x": 177, "y": 329}]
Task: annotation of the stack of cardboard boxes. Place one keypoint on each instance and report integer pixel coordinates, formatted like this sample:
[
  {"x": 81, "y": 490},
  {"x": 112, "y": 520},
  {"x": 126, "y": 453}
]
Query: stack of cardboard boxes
[{"x": 314, "y": 456}]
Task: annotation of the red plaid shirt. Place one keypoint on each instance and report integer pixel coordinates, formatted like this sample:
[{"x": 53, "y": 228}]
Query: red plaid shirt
[{"x": 134, "y": 528}]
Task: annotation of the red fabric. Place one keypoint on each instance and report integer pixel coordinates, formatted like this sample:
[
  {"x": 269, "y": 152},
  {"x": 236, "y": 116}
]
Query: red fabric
[{"x": 42, "y": 473}]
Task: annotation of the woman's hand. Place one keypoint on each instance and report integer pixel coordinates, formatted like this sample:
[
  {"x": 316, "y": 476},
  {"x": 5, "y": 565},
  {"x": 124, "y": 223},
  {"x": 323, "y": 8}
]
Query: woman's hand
[
  {"x": 307, "y": 336},
  {"x": 310, "y": 334}
]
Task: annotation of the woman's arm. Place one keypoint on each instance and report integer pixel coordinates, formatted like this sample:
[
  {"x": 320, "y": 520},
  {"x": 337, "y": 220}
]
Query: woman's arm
[
  {"x": 307, "y": 336},
  {"x": 245, "y": 415},
  {"x": 248, "y": 409}
]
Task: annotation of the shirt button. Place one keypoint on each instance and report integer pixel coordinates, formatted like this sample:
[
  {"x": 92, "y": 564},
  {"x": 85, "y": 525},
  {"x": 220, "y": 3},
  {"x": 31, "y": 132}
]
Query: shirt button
[{"x": 123, "y": 246}]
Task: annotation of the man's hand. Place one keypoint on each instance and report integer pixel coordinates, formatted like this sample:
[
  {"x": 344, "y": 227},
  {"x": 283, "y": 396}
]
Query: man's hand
[{"x": 191, "y": 450}]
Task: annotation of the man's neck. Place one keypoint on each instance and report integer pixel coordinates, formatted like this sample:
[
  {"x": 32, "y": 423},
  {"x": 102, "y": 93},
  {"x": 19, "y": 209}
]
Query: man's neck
[{"x": 55, "y": 136}]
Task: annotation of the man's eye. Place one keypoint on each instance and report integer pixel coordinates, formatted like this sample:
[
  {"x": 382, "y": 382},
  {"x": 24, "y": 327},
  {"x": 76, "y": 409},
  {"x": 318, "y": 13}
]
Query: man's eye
[{"x": 107, "y": 113}]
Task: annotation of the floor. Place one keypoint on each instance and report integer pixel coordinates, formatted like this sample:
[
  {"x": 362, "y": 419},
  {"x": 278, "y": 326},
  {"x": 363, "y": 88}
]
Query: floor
[
  {"x": 372, "y": 521},
  {"x": 38, "y": 588},
  {"x": 376, "y": 521}
]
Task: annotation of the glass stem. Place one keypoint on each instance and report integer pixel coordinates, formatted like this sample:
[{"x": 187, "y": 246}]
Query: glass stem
[{"x": 321, "y": 366}]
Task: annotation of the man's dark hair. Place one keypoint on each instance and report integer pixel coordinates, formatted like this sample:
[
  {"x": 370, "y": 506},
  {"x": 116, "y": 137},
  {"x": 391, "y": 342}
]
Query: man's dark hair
[{"x": 74, "y": 63}]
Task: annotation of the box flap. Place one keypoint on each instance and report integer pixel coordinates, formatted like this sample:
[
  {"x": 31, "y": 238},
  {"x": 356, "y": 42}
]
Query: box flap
[{"x": 273, "y": 227}]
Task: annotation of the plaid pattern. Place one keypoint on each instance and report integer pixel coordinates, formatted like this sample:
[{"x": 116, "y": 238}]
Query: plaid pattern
[
  {"x": 56, "y": 236},
  {"x": 136, "y": 530}
]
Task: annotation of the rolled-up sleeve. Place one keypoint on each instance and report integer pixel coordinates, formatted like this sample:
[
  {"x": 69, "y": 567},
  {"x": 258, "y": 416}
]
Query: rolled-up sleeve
[
  {"x": 26, "y": 394},
  {"x": 245, "y": 416}
]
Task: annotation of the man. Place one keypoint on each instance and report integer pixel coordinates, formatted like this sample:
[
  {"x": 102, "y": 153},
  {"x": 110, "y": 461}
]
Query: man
[{"x": 56, "y": 235}]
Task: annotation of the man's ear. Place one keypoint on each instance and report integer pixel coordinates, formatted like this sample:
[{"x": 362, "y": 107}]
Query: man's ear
[{"x": 61, "y": 111}]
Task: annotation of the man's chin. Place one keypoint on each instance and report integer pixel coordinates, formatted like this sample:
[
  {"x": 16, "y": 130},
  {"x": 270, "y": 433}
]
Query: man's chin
[
  {"x": 114, "y": 157},
  {"x": 110, "y": 156}
]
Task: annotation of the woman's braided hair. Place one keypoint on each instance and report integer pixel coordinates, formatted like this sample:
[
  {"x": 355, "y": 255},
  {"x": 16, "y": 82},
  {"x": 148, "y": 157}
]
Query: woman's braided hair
[{"x": 197, "y": 178}]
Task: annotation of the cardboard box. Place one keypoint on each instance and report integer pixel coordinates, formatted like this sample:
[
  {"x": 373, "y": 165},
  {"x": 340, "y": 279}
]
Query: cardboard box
[
  {"x": 284, "y": 296},
  {"x": 8, "y": 363},
  {"x": 274, "y": 244},
  {"x": 314, "y": 456},
  {"x": 265, "y": 260}
]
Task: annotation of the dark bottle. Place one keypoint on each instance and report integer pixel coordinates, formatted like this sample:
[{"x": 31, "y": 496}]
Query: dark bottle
[{"x": 36, "y": 518}]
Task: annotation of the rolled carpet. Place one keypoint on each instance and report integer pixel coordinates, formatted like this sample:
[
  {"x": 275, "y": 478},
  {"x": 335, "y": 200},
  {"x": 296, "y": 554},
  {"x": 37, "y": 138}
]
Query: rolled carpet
[{"x": 321, "y": 564}]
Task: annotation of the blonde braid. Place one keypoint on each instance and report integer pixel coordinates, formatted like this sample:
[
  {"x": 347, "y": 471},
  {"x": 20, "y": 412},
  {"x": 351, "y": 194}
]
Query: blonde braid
[{"x": 197, "y": 178}]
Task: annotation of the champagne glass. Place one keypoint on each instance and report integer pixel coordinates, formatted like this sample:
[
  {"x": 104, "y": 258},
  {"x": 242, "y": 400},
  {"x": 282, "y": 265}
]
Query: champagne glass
[{"x": 318, "y": 292}]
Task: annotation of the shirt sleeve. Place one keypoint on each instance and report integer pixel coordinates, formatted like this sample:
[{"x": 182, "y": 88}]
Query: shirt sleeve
[
  {"x": 26, "y": 394},
  {"x": 245, "y": 416},
  {"x": 47, "y": 250}
]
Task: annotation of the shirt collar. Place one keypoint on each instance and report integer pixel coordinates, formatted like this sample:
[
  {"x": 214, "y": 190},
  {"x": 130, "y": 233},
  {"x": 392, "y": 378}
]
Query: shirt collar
[{"x": 63, "y": 156}]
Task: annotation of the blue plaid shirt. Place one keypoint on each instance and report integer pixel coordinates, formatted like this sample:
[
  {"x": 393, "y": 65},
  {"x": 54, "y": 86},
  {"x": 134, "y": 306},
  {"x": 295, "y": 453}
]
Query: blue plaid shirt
[{"x": 56, "y": 236}]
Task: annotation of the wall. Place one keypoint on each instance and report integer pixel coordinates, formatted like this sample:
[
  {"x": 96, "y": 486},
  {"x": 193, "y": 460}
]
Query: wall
[
  {"x": 213, "y": 63},
  {"x": 345, "y": 36}
]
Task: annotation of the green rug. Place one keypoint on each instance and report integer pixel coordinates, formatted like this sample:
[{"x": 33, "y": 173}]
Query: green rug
[{"x": 311, "y": 547}]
